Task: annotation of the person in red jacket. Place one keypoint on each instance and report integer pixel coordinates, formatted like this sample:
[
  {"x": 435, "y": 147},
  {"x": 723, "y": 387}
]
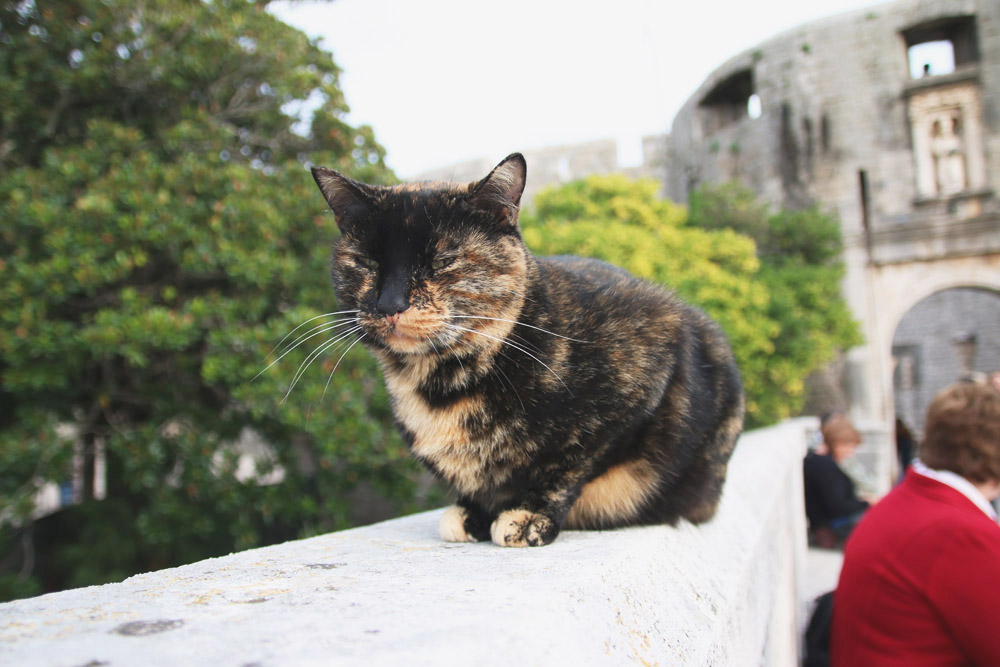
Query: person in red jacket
[{"x": 920, "y": 583}]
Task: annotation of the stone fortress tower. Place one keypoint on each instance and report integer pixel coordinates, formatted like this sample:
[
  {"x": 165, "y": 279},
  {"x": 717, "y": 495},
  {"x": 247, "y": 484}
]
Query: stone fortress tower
[{"x": 845, "y": 113}]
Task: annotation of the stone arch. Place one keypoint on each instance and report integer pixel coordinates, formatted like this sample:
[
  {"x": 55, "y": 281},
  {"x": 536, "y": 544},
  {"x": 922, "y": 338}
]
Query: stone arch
[
  {"x": 896, "y": 289},
  {"x": 893, "y": 291},
  {"x": 925, "y": 346},
  {"x": 900, "y": 287}
]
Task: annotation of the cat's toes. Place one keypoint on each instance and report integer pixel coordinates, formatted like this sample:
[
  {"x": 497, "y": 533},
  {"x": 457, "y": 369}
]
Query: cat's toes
[
  {"x": 521, "y": 528},
  {"x": 452, "y": 526}
]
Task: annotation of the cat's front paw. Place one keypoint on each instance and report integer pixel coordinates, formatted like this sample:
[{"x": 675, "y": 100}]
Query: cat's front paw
[
  {"x": 521, "y": 528},
  {"x": 453, "y": 525}
]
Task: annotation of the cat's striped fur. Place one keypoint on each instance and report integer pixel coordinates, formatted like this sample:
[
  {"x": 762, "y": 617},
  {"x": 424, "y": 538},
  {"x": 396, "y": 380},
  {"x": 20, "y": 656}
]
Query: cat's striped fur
[{"x": 549, "y": 392}]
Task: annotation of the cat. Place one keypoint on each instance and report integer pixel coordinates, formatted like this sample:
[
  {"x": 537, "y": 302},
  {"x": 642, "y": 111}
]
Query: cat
[{"x": 550, "y": 393}]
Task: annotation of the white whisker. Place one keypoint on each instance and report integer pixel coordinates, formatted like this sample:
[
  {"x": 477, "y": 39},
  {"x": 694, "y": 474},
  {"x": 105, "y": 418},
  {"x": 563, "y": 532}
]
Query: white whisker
[
  {"x": 336, "y": 365},
  {"x": 315, "y": 355},
  {"x": 321, "y": 326},
  {"x": 530, "y": 326},
  {"x": 516, "y": 347},
  {"x": 321, "y": 329},
  {"x": 436, "y": 351},
  {"x": 339, "y": 312},
  {"x": 499, "y": 370},
  {"x": 465, "y": 372},
  {"x": 521, "y": 340}
]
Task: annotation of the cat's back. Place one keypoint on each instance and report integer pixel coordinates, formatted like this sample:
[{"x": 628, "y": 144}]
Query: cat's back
[{"x": 626, "y": 320}]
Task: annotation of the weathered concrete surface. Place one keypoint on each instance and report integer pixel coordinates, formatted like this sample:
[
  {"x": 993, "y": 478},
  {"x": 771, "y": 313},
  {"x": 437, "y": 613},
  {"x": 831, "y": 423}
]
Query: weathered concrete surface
[{"x": 726, "y": 593}]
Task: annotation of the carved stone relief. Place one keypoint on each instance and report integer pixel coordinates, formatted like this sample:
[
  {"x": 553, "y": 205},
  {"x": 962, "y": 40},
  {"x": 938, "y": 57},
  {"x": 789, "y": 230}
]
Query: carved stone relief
[{"x": 946, "y": 125}]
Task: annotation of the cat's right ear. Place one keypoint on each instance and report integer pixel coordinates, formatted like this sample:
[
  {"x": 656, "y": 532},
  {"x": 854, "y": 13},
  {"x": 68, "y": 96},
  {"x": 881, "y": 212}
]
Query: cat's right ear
[
  {"x": 500, "y": 192},
  {"x": 347, "y": 198}
]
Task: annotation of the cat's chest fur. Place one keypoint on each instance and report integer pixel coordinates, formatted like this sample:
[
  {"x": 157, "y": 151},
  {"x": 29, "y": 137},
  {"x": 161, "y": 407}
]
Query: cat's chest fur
[{"x": 450, "y": 436}]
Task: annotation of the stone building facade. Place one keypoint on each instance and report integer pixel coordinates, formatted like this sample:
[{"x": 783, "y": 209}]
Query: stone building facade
[
  {"x": 554, "y": 165},
  {"x": 842, "y": 113}
]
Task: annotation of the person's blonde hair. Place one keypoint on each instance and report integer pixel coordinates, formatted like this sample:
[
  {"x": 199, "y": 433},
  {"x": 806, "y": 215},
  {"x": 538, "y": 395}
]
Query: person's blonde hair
[
  {"x": 962, "y": 433},
  {"x": 838, "y": 429}
]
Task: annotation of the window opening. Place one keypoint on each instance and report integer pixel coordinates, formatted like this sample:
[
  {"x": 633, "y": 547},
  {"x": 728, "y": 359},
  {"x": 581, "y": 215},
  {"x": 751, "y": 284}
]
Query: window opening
[
  {"x": 730, "y": 101},
  {"x": 931, "y": 59},
  {"x": 940, "y": 47}
]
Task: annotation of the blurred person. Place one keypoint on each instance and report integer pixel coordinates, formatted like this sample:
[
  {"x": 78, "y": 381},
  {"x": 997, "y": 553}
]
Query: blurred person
[
  {"x": 904, "y": 446},
  {"x": 832, "y": 503},
  {"x": 920, "y": 583}
]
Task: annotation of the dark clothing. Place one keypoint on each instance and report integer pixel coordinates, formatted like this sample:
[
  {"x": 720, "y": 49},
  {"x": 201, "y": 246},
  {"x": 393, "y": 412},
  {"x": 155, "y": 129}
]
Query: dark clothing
[
  {"x": 829, "y": 492},
  {"x": 817, "y": 638},
  {"x": 904, "y": 447}
]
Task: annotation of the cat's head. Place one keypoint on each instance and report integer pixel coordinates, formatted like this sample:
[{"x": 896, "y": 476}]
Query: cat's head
[{"x": 430, "y": 267}]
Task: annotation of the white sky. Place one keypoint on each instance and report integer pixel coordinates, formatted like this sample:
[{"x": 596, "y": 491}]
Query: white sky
[{"x": 442, "y": 81}]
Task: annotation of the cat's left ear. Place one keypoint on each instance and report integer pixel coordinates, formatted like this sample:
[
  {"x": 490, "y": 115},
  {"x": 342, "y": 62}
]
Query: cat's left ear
[
  {"x": 500, "y": 192},
  {"x": 347, "y": 198}
]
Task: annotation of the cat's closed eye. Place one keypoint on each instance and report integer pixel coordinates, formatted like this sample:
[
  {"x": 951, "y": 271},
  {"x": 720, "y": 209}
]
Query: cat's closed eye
[
  {"x": 366, "y": 262},
  {"x": 441, "y": 263}
]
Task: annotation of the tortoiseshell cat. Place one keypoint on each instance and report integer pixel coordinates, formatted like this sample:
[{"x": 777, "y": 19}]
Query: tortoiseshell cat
[{"x": 549, "y": 392}]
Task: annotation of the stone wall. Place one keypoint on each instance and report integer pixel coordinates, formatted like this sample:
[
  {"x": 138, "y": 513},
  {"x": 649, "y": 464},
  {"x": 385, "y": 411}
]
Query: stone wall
[{"x": 726, "y": 593}]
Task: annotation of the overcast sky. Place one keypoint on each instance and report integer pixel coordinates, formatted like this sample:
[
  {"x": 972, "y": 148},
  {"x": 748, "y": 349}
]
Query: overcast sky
[{"x": 442, "y": 81}]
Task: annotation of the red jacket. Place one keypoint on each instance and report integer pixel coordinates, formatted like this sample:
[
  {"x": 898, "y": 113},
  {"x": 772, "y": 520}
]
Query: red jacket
[{"x": 920, "y": 583}]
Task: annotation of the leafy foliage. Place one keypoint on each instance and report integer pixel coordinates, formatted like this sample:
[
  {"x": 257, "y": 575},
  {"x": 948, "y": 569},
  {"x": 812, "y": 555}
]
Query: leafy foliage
[
  {"x": 160, "y": 236},
  {"x": 778, "y": 298},
  {"x": 802, "y": 270}
]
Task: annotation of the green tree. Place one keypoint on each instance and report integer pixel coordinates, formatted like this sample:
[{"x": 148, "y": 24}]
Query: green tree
[
  {"x": 160, "y": 234},
  {"x": 802, "y": 268}
]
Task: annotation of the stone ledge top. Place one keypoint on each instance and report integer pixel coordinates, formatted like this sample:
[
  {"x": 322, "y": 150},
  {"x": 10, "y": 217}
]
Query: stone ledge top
[{"x": 394, "y": 593}]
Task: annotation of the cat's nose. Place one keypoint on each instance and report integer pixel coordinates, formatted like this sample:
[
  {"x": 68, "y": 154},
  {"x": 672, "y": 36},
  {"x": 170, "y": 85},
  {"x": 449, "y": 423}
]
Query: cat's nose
[
  {"x": 391, "y": 302},
  {"x": 394, "y": 292}
]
